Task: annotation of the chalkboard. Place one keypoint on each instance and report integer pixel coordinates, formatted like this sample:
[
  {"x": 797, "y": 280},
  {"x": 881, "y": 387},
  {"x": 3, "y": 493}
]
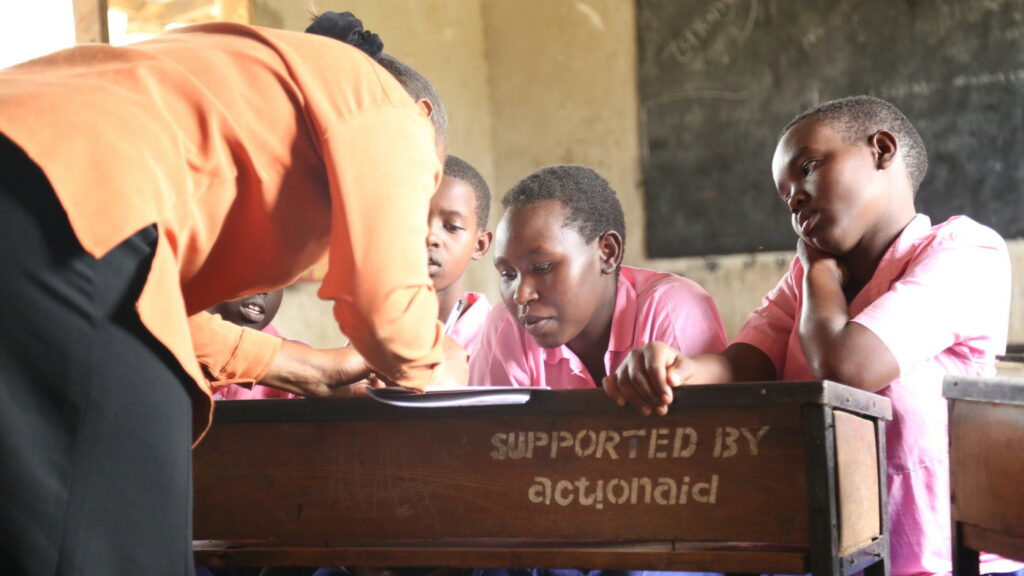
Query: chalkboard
[{"x": 720, "y": 78}]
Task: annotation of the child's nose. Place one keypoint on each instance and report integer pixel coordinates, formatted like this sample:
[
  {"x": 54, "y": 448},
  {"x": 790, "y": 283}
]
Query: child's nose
[
  {"x": 524, "y": 292},
  {"x": 432, "y": 238},
  {"x": 796, "y": 200}
]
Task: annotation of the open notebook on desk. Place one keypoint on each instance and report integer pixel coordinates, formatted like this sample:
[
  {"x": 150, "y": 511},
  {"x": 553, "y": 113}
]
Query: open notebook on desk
[{"x": 451, "y": 397}]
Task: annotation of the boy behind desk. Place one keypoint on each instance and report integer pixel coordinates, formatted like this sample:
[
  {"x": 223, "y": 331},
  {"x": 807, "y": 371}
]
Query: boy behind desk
[
  {"x": 256, "y": 311},
  {"x": 572, "y": 312},
  {"x": 877, "y": 298},
  {"x": 458, "y": 235}
]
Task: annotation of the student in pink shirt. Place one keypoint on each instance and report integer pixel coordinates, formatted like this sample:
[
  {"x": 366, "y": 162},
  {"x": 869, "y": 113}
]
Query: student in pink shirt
[
  {"x": 572, "y": 312},
  {"x": 877, "y": 298},
  {"x": 458, "y": 235},
  {"x": 255, "y": 311}
]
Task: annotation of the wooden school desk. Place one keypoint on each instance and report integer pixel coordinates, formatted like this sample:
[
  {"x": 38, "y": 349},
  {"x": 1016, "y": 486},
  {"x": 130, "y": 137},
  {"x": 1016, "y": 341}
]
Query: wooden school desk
[
  {"x": 986, "y": 461},
  {"x": 779, "y": 478}
]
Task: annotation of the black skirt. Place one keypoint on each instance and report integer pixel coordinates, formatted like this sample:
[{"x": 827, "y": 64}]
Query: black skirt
[{"x": 95, "y": 415}]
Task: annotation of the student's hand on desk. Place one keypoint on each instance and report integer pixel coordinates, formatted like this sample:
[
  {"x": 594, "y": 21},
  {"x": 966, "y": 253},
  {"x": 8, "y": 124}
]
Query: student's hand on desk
[{"x": 646, "y": 378}]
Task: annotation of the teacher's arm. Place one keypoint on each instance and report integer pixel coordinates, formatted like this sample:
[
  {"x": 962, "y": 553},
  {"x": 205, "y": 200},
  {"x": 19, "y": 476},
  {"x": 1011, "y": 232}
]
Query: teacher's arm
[
  {"x": 383, "y": 168},
  {"x": 232, "y": 354}
]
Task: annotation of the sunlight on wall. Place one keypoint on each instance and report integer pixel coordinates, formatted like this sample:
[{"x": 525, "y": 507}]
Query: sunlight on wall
[
  {"x": 32, "y": 29},
  {"x": 132, "y": 21}
]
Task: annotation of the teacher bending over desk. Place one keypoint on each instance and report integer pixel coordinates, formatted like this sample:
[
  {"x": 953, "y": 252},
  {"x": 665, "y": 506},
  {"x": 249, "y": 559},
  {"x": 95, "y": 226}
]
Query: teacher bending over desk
[{"x": 138, "y": 187}]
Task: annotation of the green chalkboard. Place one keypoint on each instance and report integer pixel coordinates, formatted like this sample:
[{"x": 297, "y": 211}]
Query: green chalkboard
[{"x": 719, "y": 78}]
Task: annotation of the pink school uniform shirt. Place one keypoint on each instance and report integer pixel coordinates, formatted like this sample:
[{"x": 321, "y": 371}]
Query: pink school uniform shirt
[
  {"x": 940, "y": 301},
  {"x": 648, "y": 306},
  {"x": 257, "y": 392},
  {"x": 471, "y": 322}
]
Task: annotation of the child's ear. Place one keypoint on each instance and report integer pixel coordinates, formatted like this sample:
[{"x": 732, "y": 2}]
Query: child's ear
[
  {"x": 885, "y": 147},
  {"x": 610, "y": 245},
  {"x": 426, "y": 106},
  {"x": 483, "y": 244}
]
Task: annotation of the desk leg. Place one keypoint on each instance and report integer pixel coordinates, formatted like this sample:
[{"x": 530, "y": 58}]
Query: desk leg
[
  {"x": 965, "y": 560},
  {"x": 822, "y": 493}
]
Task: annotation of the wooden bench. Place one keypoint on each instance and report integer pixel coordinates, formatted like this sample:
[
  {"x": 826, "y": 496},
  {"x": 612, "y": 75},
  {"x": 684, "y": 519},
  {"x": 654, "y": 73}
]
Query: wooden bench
[
  {"x": 776, "y": 477},
  {"x": 986, "y": 451}
]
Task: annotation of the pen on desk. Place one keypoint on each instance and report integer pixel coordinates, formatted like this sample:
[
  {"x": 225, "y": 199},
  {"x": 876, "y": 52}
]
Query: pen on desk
[{"x": 453, "y": 316}]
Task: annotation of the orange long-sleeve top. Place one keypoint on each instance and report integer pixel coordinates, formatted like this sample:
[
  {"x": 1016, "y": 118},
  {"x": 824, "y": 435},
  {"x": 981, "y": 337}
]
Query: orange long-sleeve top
[{"x": 253, "y": 151}]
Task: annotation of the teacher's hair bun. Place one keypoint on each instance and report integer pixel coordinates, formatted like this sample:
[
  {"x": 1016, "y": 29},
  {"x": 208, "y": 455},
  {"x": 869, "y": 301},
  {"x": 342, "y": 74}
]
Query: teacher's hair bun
[{"x": 346, "y": 27}]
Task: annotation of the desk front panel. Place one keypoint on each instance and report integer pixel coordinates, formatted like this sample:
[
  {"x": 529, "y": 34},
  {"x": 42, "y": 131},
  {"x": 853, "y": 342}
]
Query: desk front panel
[
  {"x": 987, "y": 463},
  {"x": 381, "y": 474}
]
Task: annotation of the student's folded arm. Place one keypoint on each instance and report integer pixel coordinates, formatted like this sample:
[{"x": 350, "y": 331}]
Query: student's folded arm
[
  {"x": 836, "y": 348},
  {"x": 739, "y": 362},
  {"x": 231, "y": 354},
  {"x": 956, "y": 289},
  {"x": 383, "y": 169},
  {"x": 646, "y": 378},
  {"x": 688, "y": 348},
  {"x": 758, "y": 351}
]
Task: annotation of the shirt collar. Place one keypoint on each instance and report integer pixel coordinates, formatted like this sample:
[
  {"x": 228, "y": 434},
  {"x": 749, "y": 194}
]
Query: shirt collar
[
  {"x": 624, "y": 317},
  {"x": 893, "y": 263},
  {"x": 919, "y": 227}
]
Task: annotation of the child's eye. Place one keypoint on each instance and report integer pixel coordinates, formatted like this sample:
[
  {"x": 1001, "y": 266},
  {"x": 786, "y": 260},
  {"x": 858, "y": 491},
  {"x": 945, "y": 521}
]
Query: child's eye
[
  {"x": 507, "y": 274},
  {"x": 453, "y": 227},
  {"x": 808, "y": 167},
  {"x": 541, "y": 268}
]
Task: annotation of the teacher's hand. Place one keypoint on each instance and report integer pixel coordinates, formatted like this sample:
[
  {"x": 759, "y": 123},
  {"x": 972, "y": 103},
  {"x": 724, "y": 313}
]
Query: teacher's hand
[
  {"x": 453, "y": 373},
  {"x": 333, "y": 373}
]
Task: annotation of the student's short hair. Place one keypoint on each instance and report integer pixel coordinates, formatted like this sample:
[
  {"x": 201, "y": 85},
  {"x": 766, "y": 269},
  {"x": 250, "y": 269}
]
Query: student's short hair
[
  {"x": 420, "y": 89},
  {"x": 856, "y": 117},
  {"x": 591, "y": 205},
  {"x": 455, "y": 167}
]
